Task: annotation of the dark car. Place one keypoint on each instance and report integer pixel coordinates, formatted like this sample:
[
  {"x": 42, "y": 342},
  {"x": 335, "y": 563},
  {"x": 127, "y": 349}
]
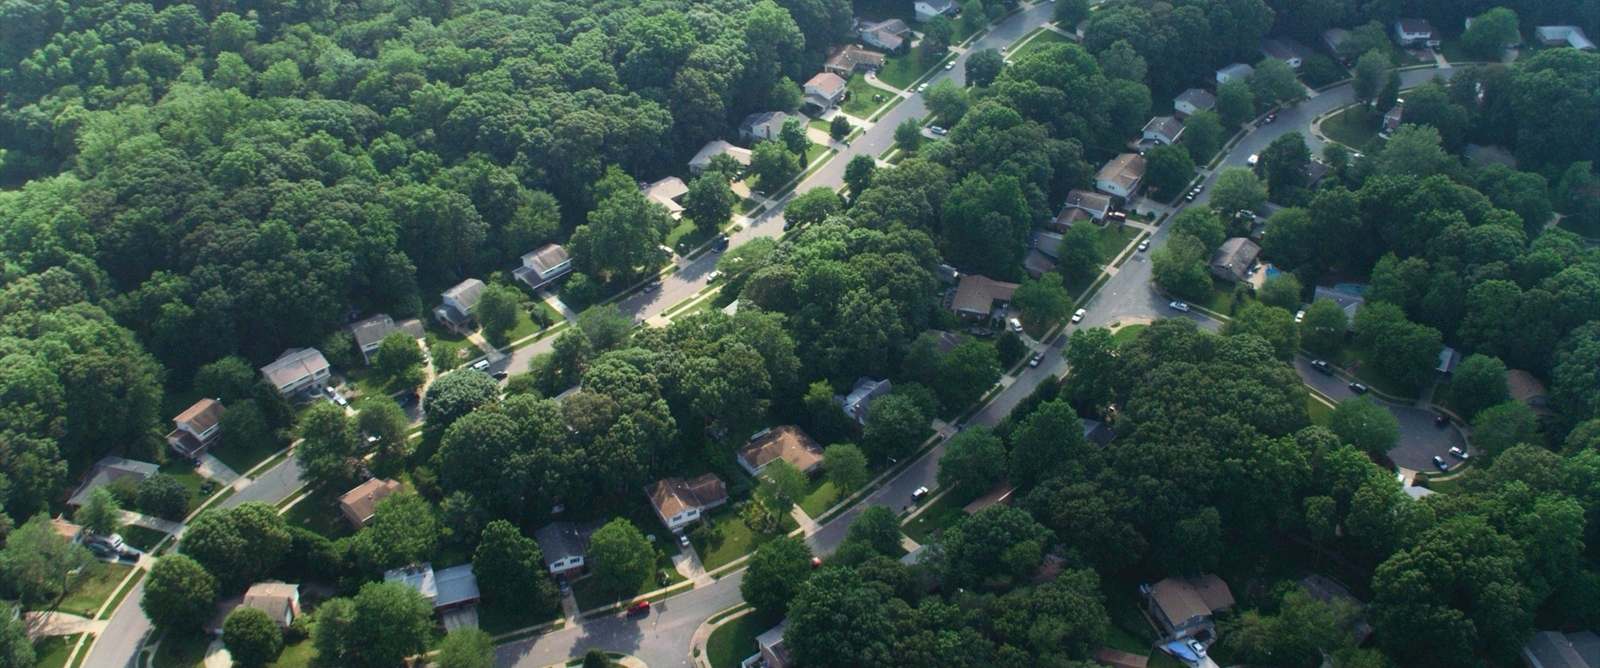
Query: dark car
[
  {"x": 1439, "y": 462},
  {"x": 1323, "y": 366},
  {"x": 652, "y": 285},
  {"x": 721, "y": 244},
  {"x": 1440, "y": 420},
  {"x": 1358, "y": 388},
  {"x": 500, "y": 375},
  {"x": 1036, "y": 359}
]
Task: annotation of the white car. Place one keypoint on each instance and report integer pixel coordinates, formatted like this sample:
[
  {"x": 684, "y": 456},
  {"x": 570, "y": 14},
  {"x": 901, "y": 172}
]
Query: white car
[
  {"x": 1300, "y": 316},
  {"x": 1144, "y": 245},
  {"x": 950, "y": 65},
  {"x": 938, "y": 130},
  {"x": 1253, "y": 159},
  {"x": 1016, "y": 325},
  {"x": 713, "y": 276},
  {"x": 480, "y": 365},
  {"x": 1078, "y": 316},
  {"x": 922, "y": 87},
  {"x": 1179, "y": 306}
]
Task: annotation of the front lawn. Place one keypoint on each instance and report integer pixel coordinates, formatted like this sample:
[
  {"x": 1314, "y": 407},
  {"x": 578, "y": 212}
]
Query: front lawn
[
  {"x": 318, "y": 513},
  {"x": 589, "y": 596},
  {"x": 141, "y": 537},
  {"x": 1113, "y": 240},
  {"x": 1319, "y": 412},
  {"x": 498, "y": 619},
  {"x": 186, "y": 651},
  {"x": 820, "y": 497},
  {"x": 1355, "y": 360},
  {"x": 686, "y": 236},
  {"x": 298, "y": 655},
  {"x": 88, "y": 590},
  {"x": 903, "y": 70},
  {"x": 52, "y": 652},
  {"x": 241, "y": 458},
  {"x": 1122, "y": 336},
  {"x": 737, "y": 539},
  {"x": 865, "y": 98},
  {"x": 183, "y": 471},
  {"x": 927, "y": 525},
  {"x": 734, "y": 641},
  {"x": 1353, "y": 127},
  {"x": 1039, "y": 41}
]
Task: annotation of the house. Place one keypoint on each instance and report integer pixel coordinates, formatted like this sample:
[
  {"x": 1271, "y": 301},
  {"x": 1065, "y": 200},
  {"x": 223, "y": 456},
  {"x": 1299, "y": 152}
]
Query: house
[
  {"x": 1328, "y": 590},
  {"x": 563, "y": 547},
  {"x": 1563, "y": 36},
  {"x": 1098, "y": 433},
  {"x": 888, "y": 35},
  {"x": 445, "y": 589},
  {"x": 1082, "y": 205},
  {"x": 770, "y": 651},
  {"x": 716, "y": 147},
  {"x": 1281, "y": 49},
  {"x": 195, "y": 430},
  {"x": 1163, "y": 130},
  {"x": 979, "y": 296},
  {"x": 848, "y": 59},
  {"x": 298, "y": 371},
  {"x": 788, "y": 443},
  {"x": 1002, "y": 493},
  {"x": 1233, "y": 259},
  {"x": 1038, "y": 263},
  {"x": 679, "y": 502},
  {"x": 1391, "y": 120},
  {"x": 1116, "y": 658},
  {"x": 1183, "y": 606},
  {"x": 107, "y": 471},
  {"x": 359, "y": 504},
  {"x": 281, "y": 602},
  {"x": 71, "y": 532},
  {"x": 763, "y": 126},
  {"x": 369, "y": 333},
  {"x": 927, "y": 9},
  {"x": 824, "y": 91},
  {"x": 1121, "y": 176},
  {"x": 1193, "y": 100},
  {"x": 1315, "y": 170},
  {"x": 1449, "y": 359},
  {"x": 1416, "y": 32},
  {"x": 544, "y": 266},
  {"x": 1239, "y": 71},
  {"x": 861, "y": 396},
  {"x": 667, "y": 192},
  {"x": 1349, "y": 300},
  {"x": 1553, "y": 649},
  {"x": 455, "y": 310},
  {"x": 1528, "y": 390},
  {"x": 1333, "y": 37}
]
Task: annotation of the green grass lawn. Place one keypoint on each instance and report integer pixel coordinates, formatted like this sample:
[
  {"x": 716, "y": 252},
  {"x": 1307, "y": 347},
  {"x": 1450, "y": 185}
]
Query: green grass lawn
[
  {"x": 1221, "y": 298},
  {"x": 187, "y": 651},
  {"x": 140, "y": 537},
  {"x": 183, "y": 471},
  {"x": 1117, "y": 638},
  {"x": 737, "y": 538},
  {"x": 820, "y": 497},
  {"x": 1039, "y": 41},
  {"x": 1126, "y": 334},
  {"x": 734, "y": 641},
  {"x": 1356, "y": 359},
  {"x": 88, "y": 590},
  {"x": 1353, "y": 128},
  {"x": 319, "y": 514},
  {"x": 298, "y": 655},
  {"x": 903, "y": 70},
  {"x": 814, "y": 153},
  {"x": 498, "y": 619},
  {"x": 1319, "y": 412},
  {"x": 241, "y": 458},
  {"x": 686, "y": 236},
  {"x": 1163, "y": 660},
  {"x": 1112, "y": 240},
  {"x": 861, "y": 103},
  {"x": 944, "y": 512},
  {"x": 590, "y": 597},
  {"x": 52, "y": 652}
]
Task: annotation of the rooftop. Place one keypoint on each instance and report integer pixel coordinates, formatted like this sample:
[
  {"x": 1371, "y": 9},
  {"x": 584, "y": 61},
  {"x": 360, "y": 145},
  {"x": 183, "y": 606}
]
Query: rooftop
[
  {"x": 274, "y": 598},
  {"x": 294, "y": 364},
  {"x": 829, "y": 83},
  {"x": 547, "y": 257},
  {"x": 109, "y": 470},
  {"x": 787, "y": 442},
  {"x": 719, "y": 147},
  {"x": 978, "y": 293},
  {"x": 465, "y": 293},
  {"x": 671, "y": 496},
  {"x": 1236, "y": 70},
  {"x": 455, "y": 585},
  {"x": 203, "y": 415},
  {"x": 1198, "y": 97},
  {"x": 559, "y": 540},
  {"x": 1165, "y": 126},
  {"x": 362, "y": 502},
  {"x": 851, "y": 56},
  {"x": 1415, "y": 26},
  {"x": 1125, "y": 170}
]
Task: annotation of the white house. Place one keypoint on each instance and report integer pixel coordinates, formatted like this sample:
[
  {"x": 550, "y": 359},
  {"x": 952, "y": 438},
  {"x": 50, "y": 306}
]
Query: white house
[
  {"x": 1416, "y": 32},
  {"x": 455, "y": 309},
  {"x": 563, "y": 547},
  {"x": 1121, "y": 177},
  {"x": 717, "y": 147},
  {"x": 297, "y": 371},
  {"x": 1193, "y": 100},
  {"x": 1275, "y": 48},
  {"x": 1238, "y": 71},
  {"x": 927, "y": 9},
  {"x": 678, "y": 502},
  {"x": 196, "y": 429},
  {"x": 1564, "y": 36},
  {"x": 859, "y": 401},
  {"x": 763, "y": 126},
  {"x": 824, "y": 91},
  {"x": 667, "y": 192},
  {"x": 1163, "y": 129},
  {"x": 888, "y": 35},
  {"x": 544, "y": 266}
]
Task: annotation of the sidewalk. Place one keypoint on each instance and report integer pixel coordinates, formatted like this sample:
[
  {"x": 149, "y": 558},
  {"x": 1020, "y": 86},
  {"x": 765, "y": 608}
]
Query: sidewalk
[
  {"x": 213, "y": 468},
  {"x": 697, "y": 644},
  {"x": 148, "y": 522},
  {"x": 46, "y": 624}
]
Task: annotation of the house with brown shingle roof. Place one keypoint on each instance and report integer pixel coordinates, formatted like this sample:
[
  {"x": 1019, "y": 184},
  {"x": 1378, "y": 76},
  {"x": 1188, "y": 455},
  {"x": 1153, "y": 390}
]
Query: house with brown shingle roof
[
  {"x": 788, "y": 443},
  {"x": 1183, "y": 606},
  {"x": 850, "y": 58},
  {"x": 678, "y": 501},
  {"x": 359, "y": 504},
  {"x": 980, "y": 296},
  {"x": 1527, "y": 389},
  {"x": 195, "y": 430},
  {"x": 281, "y": 602}
]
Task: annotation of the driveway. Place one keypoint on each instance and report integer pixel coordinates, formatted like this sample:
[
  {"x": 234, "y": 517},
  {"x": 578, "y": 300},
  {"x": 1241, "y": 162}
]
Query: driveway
[{"x": 1420, "y": 440}]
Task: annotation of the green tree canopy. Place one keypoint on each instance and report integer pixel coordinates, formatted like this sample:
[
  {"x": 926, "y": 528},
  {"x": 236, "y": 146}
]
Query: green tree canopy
[
  {"x": 179, "y": 594},
  {"x": 777, "y": 570},
  {"x": 1367, "y": 426},
  {"x": 251, "y": 636},
  {"x": 622, "y": 559}
]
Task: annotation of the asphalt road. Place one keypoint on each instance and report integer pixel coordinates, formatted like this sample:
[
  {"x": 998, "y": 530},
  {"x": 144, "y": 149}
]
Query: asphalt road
[
  {"x": 118, "y": 646},
  {"x": 271, "y": 487},
  {"x": 1420, "y": 440}
]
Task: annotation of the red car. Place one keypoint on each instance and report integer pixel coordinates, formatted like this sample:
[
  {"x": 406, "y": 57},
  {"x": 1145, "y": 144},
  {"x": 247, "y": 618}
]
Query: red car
[{"x": 639, "y": 609}]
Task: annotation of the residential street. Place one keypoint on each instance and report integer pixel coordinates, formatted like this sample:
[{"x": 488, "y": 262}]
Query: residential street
[{"x": 118, "y": 646}]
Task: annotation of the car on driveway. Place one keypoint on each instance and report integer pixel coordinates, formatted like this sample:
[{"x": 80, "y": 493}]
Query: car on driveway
[
  {"x": 1078, "y": 315},
  {"x": 1439, "y": 462},
  {"x": 480, "y": 365},
  {"x": 1016, "y": 325},
  {"x": 683, "y": 540},
  {"x": 938, "y": 130},
  {"x": 1179, "y": 306},
  {"x": 1299, "y": 316},
  {"x": 1323, "y": 366},
  {"x": 1359, "y": 388},
  {"x": 1037, "y": 357},
  {"x": 1144, "y": 245}
]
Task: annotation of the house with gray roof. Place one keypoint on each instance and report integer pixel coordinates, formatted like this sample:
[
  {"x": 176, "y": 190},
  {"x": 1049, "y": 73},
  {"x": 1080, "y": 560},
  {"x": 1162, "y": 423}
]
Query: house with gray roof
[
  {"x": 765, "y": 125},
  {"x": 544, "y": 266},
  {"x": 714, "y": 148},
  {"x": 1232, "y": 260},
  {"x": 369, "y": 333},
  {"x": 107, "y": 471},
  {"x": 445, "y": 589},
  {"x": 888, "y": 35},
  {"x": 1554, "y": 649},
  {"x": 1416, "y": 32},
  {"x": 859, "y": 401},
  {"x": 456, "y": 304},
  {"x": 298, "y": 372},
  {"x": 563, "y": 547},
  {"x": 1195, "y": 99},
  {"x": 1238, "y": 71},
  {"x": 1563, "y": 36}
]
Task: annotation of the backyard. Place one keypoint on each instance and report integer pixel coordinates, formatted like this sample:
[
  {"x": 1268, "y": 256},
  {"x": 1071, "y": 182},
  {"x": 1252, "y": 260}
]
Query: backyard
[{"x": 734, "y": 641}]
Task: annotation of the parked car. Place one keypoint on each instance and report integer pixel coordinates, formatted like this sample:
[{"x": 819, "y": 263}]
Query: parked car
[
  {"x": 938, "y": 130},
  {"x": 1253, "y": 159},
  {"x": 340, "y": 400},
  {"x": 1038, "y": 357},
  {"x": 1439, "y": 462},
  {"x": 1359, "y": 388},
  {"x": 1460, "y": 453},
  {"x": 1016, "y": 325},
  {"x": 952, "y": 64},
  {"x": 1323, "y": 366},
  {"x": 720, "y": 244},
  {"x": 919, "y": 495},
  {"x": 500, "y": 375},
  {"x": 111, "y": 543},
  {"x": 1198, "y": 649},
  {"x": 562, "y": 584},
  {"x": 816, "y": 562},
  {"x": 1179, "y": 306},
  {"x": 713, "y": 276},
  {"x": 1299, "y": 316},
  {"x": 652, "y": 285},
  {"x": 480, "y": 365},
  {"x": 1189, "y": 197},
  {"x": 1272, "y": 117},
  {"x": 922, "y": 87},
  {"x": 683, "y": 540},
  {"x": 981, "y": 332},
  {"x": 1077, "y": 316},
  {"x": 1144, "y": 245},
  {"x": 639, "y": 609}
]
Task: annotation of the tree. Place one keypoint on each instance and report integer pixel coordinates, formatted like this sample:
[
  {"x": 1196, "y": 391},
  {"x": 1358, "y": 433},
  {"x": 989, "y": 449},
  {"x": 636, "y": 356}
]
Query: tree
[
  {"x": 936, "y": 35},
  {"x": 621, "y": 558},
  {"x": 1407, "y": 352},
  {"x": 947, "y": 101},
  {"x": 468, "y": 648},
  {"x": 596, "y": 658},
  {"x": 996, "y": 542},
  {"x": 983, "y": 67},
  {"x": 876, "y": 527},
  {"x": 497, "y": 310},
  {"x": 1069, "y": 13},
  {"x": 858, "y": 173},
  {"x": 1371, "y": 70},
  {"x": 1322, "y": 330},
  {"x": 1203, "y": 135},
  {"x": 227, "y": 380},
  {"x": 1284, "y": 161},
  {"x": 514, "y": 563},
  {"x": 1237, "y": 189},
  {"x": 162, "y": 496},
  {"x": 1078, "y": 254},
  {"x": 908, "y": 135},
  {"x": 178, "y": 594},
  {"x": 1478, "y": 383},
  {"x": 812, "y": 207},
  {"x": 328, "y": 447},
  {"x": 836, "y": 620},
  {"x": 384, "y": 420},
  {"x": 1201, "y": 224},
  {"x": 1180, "y": 267},
  {"x": 400, "y": 358},
  {"x": 973, "y": 462},
  {"x": 846, "y": 467},
  {"x": 404, "y": 531},
  {"x": 251, "y": 636},
  {"x": 16, "y": 651},
  {"x": 1043, "y": 299},
  {"x": 1235, "y": 103},
  {"x": 385, "y": 623},
  {"x": 1274, "y": 80},
  {"x": 773, "y": 164},
  {"x": 606, "y": 326},
  {"x": 896, "y": 424},
  {"x": 839, "y": 127},
  {"x": 709, "y": 202},
  {"x": 36, "y": 561},
  {"x": 1168, "y": 170},
  {"x": 1282, "y": 291},
  {"x": 1416, "y": 150},
  {"x": 457, "y": 393},
  {"x": 101, "y": 514},
  {"x": 1273, "y": 324},
  {"x": 1499, "y": 428},
  {"x": 1490, "y": 33},
  {"x": 793, "y": 136},
  {"x": 1367, "y": 426},
  {"x": 782, "y": 485},
  {"x": 777, "y": 570},
  {"x": 238, "y": 545}
]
